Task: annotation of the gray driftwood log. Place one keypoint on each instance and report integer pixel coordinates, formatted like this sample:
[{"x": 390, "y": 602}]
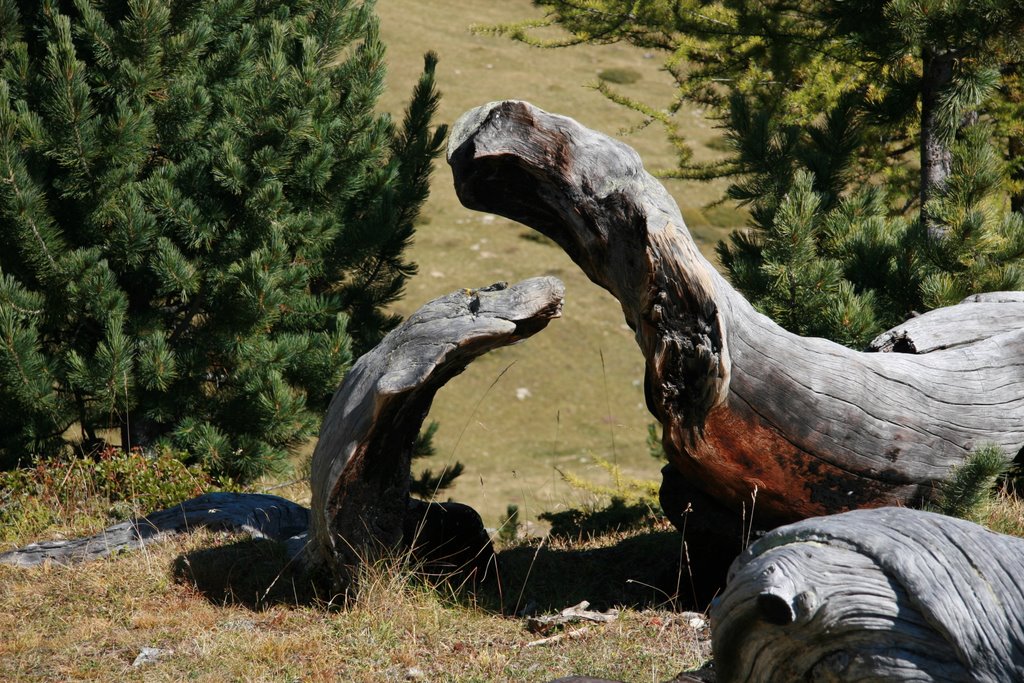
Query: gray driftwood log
[
  {"x": 889, "y": 594},
  {"x": 814, "y": 427},
  {"x": 360, "y": 478}
]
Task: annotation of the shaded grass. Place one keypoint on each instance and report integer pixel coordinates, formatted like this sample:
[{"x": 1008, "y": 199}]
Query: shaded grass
[
  {"x": 230, "y": 609},
  {"x": 620, "y": 75}
]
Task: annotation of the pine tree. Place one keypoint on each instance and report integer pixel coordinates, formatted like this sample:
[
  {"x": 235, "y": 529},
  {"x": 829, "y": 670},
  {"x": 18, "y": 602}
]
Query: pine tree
[
  {"x": 202, "y": 219},
  {"x": 854, "y": 129}
]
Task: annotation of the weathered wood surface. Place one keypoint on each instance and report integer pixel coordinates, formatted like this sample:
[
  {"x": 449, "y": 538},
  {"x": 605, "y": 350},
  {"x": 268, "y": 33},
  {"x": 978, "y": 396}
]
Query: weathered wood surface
[
  {"x": 260, "y": 515},
  {"x": 816, "y": 428},
  {"x": 889, "y": 594},
  {"x": 360, "y": 474},
  {"x": 361, "y": 466},
  {"x": 992, "y": 314}
]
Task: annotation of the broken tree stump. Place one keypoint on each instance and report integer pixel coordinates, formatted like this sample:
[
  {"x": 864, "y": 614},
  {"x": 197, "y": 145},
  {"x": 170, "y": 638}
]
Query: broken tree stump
[
  {"x": 361, "y": 507},
  {"x": 811, "y": 426},
  {"x": 889, "y": 594}
]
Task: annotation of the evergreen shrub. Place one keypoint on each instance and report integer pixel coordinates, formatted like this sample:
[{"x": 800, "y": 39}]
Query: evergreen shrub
[{"x": 202, "y": 220}]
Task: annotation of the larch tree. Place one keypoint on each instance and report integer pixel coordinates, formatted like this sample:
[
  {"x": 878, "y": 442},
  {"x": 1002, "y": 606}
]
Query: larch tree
[
  {"x": 876, "y": 143},
  {"x": 202, "y": 219}
]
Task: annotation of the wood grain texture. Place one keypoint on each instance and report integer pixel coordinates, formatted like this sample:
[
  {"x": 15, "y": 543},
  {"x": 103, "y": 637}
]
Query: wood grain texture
[
  {"x": 993, "y": 314},
  {"x": 889, "y": 594},
  {"x": 360, "y": 472},
  {"x": 259, "y": 515},
  {"x": 814, "y": 427}
]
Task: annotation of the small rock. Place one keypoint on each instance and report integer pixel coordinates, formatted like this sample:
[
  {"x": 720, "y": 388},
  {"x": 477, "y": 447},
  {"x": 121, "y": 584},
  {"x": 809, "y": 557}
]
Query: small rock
[
  {"x": 148, "y": 655},
  {"x": 522, "y": 393},
  {"x": 239, "y": 625},
  {"x": 695, "y": 620}
]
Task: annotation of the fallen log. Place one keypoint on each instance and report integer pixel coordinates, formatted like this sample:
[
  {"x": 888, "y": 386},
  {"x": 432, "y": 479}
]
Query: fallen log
[
  {"x": 889, "y": 594},
  {"x": 813, "y": 427},
  {"x": 361, "y": 508},
  {"x": 256, "y": 514}
]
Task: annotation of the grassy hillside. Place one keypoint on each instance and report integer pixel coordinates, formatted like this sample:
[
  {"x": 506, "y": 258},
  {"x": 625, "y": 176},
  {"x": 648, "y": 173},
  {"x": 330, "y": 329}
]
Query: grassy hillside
[{"x": 573, "y": 392}]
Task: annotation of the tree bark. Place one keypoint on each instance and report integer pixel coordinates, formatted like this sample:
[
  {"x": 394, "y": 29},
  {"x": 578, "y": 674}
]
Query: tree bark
[
  {"x": 812, "y": 427},
  {"x": 890, "y": 594},
  {"x": 361, "y": 507},
  {"x": 360, "y": 475},
  {"x": 936, "y": 153}
]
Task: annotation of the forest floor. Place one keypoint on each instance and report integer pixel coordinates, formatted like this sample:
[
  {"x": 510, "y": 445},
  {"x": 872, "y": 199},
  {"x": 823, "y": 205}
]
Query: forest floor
[{"x": 213, "y": 607}]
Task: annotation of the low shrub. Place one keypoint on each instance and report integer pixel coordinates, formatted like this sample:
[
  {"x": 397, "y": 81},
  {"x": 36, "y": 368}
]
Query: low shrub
[{"x": 85, "y": 492}]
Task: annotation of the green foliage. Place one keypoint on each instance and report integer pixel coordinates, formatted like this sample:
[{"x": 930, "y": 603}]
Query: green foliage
[
  {"x": 621, "y": 75},
  {"x": 830, "y": 110},
  {"x": 509, "y": 528},
  {"x": 654, "y": 447},
  {"x": 968, "y": 491},
  {"x": 617, "y": 515},
  {"x": 626, "y": 504},
  {"x": 426, "y": 484},
  {"x": 114, "y": 485},
  {"x": 202, "y": 220}
]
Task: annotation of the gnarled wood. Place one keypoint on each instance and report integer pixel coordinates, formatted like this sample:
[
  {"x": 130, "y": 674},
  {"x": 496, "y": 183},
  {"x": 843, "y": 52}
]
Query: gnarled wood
[
  {"x": 814, "y": 427},
  {"x": 360, "y": 477},
  {"x": 889, "y": 594}
]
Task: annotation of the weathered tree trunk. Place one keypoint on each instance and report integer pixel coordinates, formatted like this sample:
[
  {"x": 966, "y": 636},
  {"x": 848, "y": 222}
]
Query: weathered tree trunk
[
  {"x": 361, "y": 506},
  {"x": 890, "y": 594},
  {"x": 812, "y": 427},
  {"x": 360, "y": 474}
]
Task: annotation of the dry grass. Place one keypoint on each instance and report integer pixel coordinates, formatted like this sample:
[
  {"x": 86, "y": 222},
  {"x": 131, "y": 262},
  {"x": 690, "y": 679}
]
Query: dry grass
[{"x": 228, "y": 609}]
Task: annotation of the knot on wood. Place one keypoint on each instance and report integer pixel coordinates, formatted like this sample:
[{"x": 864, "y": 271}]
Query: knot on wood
[{"x": 686, "y": 365}]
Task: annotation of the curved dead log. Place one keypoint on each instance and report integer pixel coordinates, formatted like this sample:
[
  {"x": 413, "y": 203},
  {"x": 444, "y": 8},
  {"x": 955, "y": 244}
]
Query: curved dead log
[
  {"x": 813, "y": 427},
  {"x": 889, "y": 594},
  {"x": 257, "y": 514},
  {"x": 360, "y": 476}
]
